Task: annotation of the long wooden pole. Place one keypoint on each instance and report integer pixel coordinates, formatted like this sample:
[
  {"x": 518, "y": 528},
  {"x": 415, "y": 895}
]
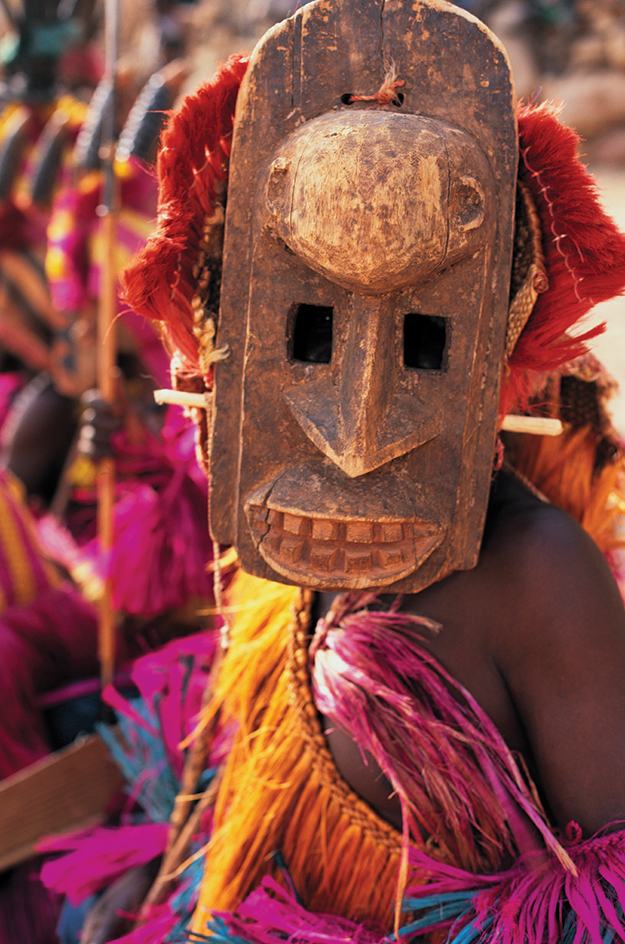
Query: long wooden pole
[{"x": 107, "y": 341}]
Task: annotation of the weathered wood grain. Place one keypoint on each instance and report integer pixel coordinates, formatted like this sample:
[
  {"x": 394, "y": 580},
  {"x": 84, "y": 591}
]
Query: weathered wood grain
[
  {"x": 67, "y": 791},
  {"x": 375, "y": 213}
]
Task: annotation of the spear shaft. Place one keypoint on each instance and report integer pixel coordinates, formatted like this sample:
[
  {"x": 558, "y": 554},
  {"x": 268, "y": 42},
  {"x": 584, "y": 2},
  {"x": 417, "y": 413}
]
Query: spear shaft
[{"x": 107, "y": 341}]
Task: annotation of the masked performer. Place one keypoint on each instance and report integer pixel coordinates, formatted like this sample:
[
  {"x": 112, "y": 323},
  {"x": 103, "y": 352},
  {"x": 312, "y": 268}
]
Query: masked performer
[{"x": 423, "y": 681}]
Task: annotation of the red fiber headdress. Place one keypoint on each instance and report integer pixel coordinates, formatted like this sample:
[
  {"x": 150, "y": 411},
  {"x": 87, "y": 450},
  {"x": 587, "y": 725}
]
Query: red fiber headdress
[
  {"x": 583, "y": 249},
  {"x": 192, "y": 170}
]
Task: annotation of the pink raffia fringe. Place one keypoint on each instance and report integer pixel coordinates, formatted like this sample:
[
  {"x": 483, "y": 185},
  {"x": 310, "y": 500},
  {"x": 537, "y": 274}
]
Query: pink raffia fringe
[
  {"x": 156, "y": 931},
  {"x": 448, "y": 764},
  {"x": 270, "y": 914},
  {"x": 161, "y": 544},
  {"x": 96, "y": 857},
  {"x": 537, "y": 901},
  {"x": 451, "y": 771},
  {"x": 171, "y": 682},
  {"x": 450, "y": 768},
  {"x": 172, "y": 693},
  {"x": 44, "y": 644}
]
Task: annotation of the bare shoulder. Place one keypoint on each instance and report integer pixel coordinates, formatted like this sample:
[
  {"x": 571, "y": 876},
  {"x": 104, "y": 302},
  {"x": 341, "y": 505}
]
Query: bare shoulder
[
  {"x": 560, "y": 647},
  {"x": 549, "y": 573}
]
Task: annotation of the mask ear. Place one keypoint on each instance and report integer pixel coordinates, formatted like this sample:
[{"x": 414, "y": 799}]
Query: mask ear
[{"x": 467, "y": 204}]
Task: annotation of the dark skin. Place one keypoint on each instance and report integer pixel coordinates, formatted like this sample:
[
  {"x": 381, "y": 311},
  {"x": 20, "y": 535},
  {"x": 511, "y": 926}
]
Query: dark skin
[
  {"x": 40, "y": 443},
  {"x": 536, "y": 633}
]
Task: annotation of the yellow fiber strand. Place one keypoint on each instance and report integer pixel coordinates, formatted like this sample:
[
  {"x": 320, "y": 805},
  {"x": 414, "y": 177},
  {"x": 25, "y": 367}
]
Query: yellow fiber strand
[
  {"x": 18, "y": 563},
  {"x": 280, "y": 788},
  {"x": 18, "y": 491}
]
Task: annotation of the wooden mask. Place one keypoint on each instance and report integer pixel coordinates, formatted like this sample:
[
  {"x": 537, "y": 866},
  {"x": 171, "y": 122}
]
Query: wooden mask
[{"x": 364, "y": 296}]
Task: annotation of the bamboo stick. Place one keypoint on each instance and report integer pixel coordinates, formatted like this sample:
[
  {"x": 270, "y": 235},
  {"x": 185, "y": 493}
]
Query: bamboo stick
[
  {"x": 180, "y": 398},
  {"x": 537, "y": 425},
  {"x": 107, "y": 347},
  {"x": 534, "y": 425}
]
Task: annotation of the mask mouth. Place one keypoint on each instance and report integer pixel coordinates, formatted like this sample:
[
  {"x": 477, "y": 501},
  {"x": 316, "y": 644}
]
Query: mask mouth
[
  {"x": 338, "y": 551},
  {"x": 337, "y": 554}
]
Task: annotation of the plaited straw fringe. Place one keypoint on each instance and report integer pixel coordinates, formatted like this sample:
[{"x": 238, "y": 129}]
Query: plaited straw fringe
[
  {"x": 341, "y": 814},
  {"x": 280, "y": 790},
  {"x": 527, "y": 249}
]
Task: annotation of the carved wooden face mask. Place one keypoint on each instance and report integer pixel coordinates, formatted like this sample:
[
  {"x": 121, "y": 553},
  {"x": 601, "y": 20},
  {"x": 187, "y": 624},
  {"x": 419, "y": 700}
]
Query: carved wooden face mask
[{"x": 364, "y": 298}]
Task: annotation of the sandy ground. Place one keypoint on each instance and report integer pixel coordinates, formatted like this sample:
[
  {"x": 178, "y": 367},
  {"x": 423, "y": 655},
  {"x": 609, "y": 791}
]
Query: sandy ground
[{"x": 610, "y": 347}]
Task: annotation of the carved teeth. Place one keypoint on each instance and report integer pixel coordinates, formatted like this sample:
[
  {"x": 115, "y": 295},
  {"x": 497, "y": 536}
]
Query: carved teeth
[
  {"x": 291, "y": 549},
  {"x": 367, "y": 552},
  {"x": 258, "y": 520},
  {"x": 390, "y": 558},
  {"x": 272, "y": 542},
  {"x": 391, "y": 531},
  {"x": 292, "y": 523},
  {"x": 357, "y": 562},
  {"x": 323, "y": 530},
  {"x": 360, "y": 532},
  {"x": 325, "y": 559}
]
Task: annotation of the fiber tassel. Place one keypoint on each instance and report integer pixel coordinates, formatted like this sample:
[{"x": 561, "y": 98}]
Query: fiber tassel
[
  {"x": 171, "y": 683},
  {"x": 388, "y": 694},
  {"x": 280, "y": 788},
  {"x": 536, "y": 901},
  {"x": 584, "y": 251},
  {"x": 161, "y": 546},
  {"x": 191, "y": 167},
  {"x": 161, "y": 924},
  {"x": 271, "y": 914},
  {"x": 96, "y": 857}
]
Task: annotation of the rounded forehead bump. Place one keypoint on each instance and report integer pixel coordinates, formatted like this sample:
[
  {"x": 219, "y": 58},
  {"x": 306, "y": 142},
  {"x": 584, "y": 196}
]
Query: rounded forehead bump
[{"x": 377, "y": 201}]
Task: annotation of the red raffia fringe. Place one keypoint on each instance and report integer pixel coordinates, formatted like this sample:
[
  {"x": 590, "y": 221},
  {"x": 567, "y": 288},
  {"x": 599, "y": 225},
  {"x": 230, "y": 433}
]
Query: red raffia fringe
[
  {"x": 584, "y": 250},
  {"x": 192, "y": 164}
]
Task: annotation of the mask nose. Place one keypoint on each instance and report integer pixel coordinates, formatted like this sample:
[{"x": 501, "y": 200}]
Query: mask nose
[{"x": 356, "y": 413}]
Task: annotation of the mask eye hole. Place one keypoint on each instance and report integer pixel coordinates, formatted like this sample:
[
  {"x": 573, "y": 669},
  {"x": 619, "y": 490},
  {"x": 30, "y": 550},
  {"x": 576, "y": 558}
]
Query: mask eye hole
[
  {"x": 312, "y": 334},
  {"x": 425, "y": 339}
]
